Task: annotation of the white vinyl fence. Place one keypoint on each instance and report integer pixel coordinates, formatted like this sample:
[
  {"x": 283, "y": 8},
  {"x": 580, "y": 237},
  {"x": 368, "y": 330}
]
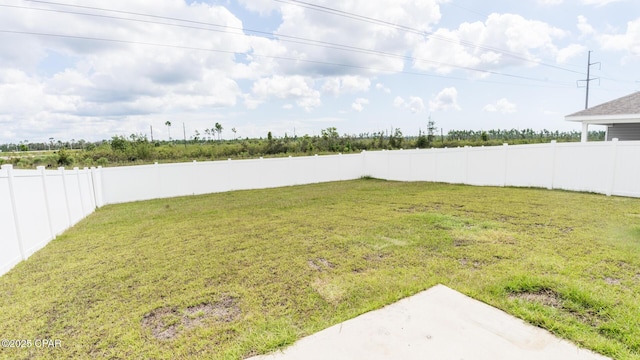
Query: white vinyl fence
[
  {"x": 611, "y": 168},
  {"x": 37, "y": 205}
]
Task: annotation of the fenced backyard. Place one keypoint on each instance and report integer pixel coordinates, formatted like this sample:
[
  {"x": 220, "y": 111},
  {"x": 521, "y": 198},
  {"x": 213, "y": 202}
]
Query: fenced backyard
[
  {"x": 234, "y": 274},
  {"x": 37, "y": 205}
]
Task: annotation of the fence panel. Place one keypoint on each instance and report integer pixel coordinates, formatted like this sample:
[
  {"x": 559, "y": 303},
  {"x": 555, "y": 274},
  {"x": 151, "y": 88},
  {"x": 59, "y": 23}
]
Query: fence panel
[
  {"x": 59, "y": 212},
  {"x": 486, "y": 166},
  {"x": 626, "y": 173},
  {"x": 530, "y": 165},
  {"x": 424, "y": 165},
  {"x": 451, "y": 165},
  {"x": 583, "y": 166},
  {"x": 10, "y": 251},
  {"x": 31, "y": 210}
]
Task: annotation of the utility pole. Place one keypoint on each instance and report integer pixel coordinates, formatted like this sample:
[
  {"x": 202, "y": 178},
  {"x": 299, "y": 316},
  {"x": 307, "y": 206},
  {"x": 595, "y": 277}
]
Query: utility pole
[
  {"x": 589, "y": 79},
  {"x": 151, "y": 127},
  {"x": 184, "y": 133}
]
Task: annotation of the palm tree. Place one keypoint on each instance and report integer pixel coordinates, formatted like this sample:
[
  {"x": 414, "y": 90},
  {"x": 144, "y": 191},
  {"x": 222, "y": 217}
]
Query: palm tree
[
  {"x": 219, "y": 129},
  {"x": 233, "y": 130},
  {"x": 168, "y": 123}
]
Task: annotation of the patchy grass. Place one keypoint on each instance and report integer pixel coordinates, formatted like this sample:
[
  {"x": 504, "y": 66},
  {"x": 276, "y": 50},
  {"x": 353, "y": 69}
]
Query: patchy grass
[{"x": 236, "y": 274}]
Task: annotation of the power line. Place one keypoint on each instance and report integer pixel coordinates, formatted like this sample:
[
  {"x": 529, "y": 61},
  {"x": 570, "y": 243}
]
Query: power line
[
  {"x": 287, "y": 38},
  {"x": 428, "y": 34},
  {"x": 89, "y": 38}
]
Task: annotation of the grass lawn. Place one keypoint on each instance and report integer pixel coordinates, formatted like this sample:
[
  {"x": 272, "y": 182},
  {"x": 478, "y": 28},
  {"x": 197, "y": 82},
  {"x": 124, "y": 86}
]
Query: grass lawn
[{"x": 237, "y": 274}]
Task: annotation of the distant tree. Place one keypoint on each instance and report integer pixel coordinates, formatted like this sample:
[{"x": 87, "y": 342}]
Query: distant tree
[
  {"x": 422, "y": 142},
  {"x": 395, "y": 140},
  {"x": 233, "y": 130},
  {"x": 119, "y": 143},
  {"x": 431, "y": 131},
  {"x": 218, "y": 129},
  {"x": 168, "y": 123}
]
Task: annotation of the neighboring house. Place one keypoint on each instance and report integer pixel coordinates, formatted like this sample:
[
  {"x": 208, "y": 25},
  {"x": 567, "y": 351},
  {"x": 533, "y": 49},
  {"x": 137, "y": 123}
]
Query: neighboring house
[{"x": 621, "y": 116}]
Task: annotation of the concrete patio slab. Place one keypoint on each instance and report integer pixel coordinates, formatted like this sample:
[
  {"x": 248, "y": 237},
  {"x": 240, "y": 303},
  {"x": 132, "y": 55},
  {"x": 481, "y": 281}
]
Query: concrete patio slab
[{"x": 438, "y": 323}]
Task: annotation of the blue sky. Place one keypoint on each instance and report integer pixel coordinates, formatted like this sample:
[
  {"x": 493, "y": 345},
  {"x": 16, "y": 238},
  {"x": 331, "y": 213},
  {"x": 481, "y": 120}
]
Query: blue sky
[{"x": 93, "y": 69}]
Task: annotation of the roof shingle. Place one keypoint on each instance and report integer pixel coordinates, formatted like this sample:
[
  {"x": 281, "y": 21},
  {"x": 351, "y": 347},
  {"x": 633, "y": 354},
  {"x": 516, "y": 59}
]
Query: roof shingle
[{"x": 626, "y": 105}]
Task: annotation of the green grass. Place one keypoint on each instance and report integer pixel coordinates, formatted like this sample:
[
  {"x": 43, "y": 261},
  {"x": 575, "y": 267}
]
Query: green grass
[{"x": 237, "y": 274}]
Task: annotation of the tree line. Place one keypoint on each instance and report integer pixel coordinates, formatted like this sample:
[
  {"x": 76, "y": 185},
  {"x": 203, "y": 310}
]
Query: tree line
[{"x": 202, "y": 146}]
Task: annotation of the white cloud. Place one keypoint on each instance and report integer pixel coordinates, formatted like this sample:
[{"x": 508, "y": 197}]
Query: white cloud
[
  {"x": 310, "y": 24},
  {"x": 584, "y": 26},
  {"x": 503, "y": 106},
  {"x": 570, "y": 52},
  {"x": 383, "y": 88},
  {"x": 414, "y": 104},
  {"x": 358, "y": 105},
  {"x": 287, "y": 106},
  {"x": 346, "y": 84},
  {"x": 629, "y": 41},
  {"x": 510, "y": 32},
  {"x": 93, "y": 81},
  {"x": 295, "y": 87},
  {"x": 447, "y": 99},
  {"x": 550, "y": 2},
  {"x": 264, "y": 7},
  {"x": 599, "y": 2}
]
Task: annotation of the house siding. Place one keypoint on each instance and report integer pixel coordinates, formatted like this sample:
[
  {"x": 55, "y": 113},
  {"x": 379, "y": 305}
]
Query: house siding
[{"x": 623, "y": 131}]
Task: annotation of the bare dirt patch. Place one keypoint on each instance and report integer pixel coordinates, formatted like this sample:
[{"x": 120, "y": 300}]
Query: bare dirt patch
[
  {"x": 544, "y": 296},
  {"x": 320, "y": 264},
  {"x": 162, "y": 322},
  {"x": 465, "y": 261},
  {"x": 462, "y": 242},
  {"x": 612, "y": 281},
  {"x": 378, "y": 257},
  {"x": 167, "y": 323}
]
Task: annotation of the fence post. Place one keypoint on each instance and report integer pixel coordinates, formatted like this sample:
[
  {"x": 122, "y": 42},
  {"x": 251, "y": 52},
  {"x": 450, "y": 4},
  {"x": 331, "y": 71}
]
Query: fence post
[
  {"x": 365, "y": 170},
  {"x": 46, "y": 200},
  {"x": 553, "y": 164},
  {"x": 96, "y": 177},
  {"x": 612, "y": 179},
  {"x": 466, "y": 164},
  {"x": 14, "y": 209},
  {"x": 76, "y": 171},
  {"x": 66, "y": 194},
  {"x": 92, "y": 198},
  {"x": 505, "y": 146}
]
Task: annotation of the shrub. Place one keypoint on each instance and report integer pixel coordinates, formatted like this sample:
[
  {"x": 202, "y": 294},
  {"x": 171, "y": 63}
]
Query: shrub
[
  {"x": 64, "y": 158},
  {"x": 103, "y": 161},
  {"x": 25, "y": 162}
]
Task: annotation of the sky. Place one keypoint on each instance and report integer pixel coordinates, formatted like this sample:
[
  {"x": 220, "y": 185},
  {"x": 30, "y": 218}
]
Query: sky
[{"x": 94, "y": 69}]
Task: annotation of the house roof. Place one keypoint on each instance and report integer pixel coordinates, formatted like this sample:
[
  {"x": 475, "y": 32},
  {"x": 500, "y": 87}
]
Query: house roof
[{"x": 622, "y": 110}]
